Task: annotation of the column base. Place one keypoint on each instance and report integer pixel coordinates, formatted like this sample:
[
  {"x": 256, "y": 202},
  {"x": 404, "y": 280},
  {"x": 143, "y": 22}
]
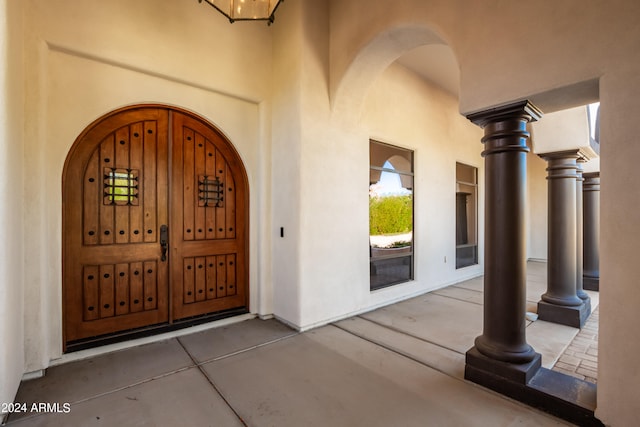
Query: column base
[
  {"x": 591, "y": 283},
  {"x": 479, "y": 368},
  {"x": 587, "y": 305},
  {"x": 574, "y": 316},
  {"x": 561, "y": 395}
]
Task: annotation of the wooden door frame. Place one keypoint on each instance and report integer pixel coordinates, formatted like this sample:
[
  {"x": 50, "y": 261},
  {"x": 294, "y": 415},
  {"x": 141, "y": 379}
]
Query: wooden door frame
[{"x": 99, "y": 125}]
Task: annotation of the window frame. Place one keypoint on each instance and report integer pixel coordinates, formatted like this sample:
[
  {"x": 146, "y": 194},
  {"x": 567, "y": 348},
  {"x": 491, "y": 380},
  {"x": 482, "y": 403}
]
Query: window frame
[
  {"x": 402, "y": 254},
  {"x": 474, "y": 244}
]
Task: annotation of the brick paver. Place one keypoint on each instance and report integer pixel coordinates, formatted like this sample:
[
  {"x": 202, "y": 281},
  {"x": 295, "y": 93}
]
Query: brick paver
[{"x": 580, "y": 359}]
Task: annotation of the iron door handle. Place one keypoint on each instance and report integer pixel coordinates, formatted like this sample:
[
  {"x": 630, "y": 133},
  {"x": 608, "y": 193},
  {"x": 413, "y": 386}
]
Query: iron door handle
[{"x": 164, "y": 241}]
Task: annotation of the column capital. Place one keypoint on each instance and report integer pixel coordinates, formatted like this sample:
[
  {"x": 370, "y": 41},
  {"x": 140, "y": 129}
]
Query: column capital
[
  {"x": 580, "y": 171},
  {"x": 580, "y": 154},
  {"x": 517, "y": 110},
  {"x": 566, "y": 154},
  {"x": 505, "y": 128},
  {"x": 562, "y": 164},
  {"x": 591, "y": 181},
  {"x": 592, "y": 175}
]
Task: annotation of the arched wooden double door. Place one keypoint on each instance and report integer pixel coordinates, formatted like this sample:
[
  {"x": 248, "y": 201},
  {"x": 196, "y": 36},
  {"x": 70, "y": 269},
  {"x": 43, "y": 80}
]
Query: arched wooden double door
[{"x": 155, "y": 228}]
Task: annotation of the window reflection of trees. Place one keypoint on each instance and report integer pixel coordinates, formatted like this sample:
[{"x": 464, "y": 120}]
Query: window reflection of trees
[{"x": 390, "y": 215}]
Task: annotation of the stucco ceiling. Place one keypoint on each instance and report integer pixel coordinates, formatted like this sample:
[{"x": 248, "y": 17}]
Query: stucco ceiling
[{"x": 435, "y": 63}]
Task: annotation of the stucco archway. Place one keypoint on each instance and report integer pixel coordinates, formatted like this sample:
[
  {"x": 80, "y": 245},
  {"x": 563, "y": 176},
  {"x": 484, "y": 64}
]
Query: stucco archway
[{"x": 350, "y": 89}]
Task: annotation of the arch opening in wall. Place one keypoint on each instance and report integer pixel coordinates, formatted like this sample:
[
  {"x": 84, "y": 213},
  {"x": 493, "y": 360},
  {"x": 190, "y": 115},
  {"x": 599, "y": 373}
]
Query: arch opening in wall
[
  {"x": 155, "y": 226},
  {"x": 416, "y": 47}
]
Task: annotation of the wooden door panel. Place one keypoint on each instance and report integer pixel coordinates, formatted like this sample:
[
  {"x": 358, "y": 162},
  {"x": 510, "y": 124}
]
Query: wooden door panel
[
  {"x": 200, "y": 279},
  {"x": 230, "y": 205},
  {"x": 91, "y": 202},
  {"x": 119, "y": 289},
  {"x": 155, "y": 178},
  {"x": 115, "y": 199},
  {"x": 136, "y": 159},
  {"x": 117, "y": 194},
  {"x": 208, "y": 180},
  {"x": 105, "y": 284},
  {"x": 188, "y": 180},
  {"x": 91, "y": 293},
  {"x": 105, "y": 211},
  {"x": 200, "y": 215}
]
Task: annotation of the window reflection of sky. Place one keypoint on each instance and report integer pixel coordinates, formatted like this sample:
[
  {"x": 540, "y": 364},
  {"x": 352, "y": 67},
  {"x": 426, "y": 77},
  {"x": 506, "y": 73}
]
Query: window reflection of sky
[{"x": 389, "y": 183}]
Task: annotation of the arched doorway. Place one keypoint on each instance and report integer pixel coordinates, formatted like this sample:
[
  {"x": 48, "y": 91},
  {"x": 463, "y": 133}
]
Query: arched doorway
[{"x": 155, "y": 226}]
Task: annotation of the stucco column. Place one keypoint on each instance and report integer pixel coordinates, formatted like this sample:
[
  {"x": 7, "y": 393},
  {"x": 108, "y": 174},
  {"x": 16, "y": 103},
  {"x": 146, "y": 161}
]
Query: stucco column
[
  {"x": 502, "y": 349},
  {"x": 580, "y": 236},
  {"x": 561, "y": 304},
  {"x": 591, "y": 273}
]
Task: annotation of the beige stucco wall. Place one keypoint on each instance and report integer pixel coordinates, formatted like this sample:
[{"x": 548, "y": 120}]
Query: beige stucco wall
[
  {"x": 558, "y": 55},
  {"x": 11, "y": 194},
  {"x": 402, "y": 109},
  {"x": 84, "y": 59},
  {"x": 536, "y": 220},
  {"x": 619, "y": 336},
  {"x": 543, "y": 38},
  {"x": 562, "y": 131},
  {"x": 287, "y": 139},
  {"x": 332, "y": 198}
]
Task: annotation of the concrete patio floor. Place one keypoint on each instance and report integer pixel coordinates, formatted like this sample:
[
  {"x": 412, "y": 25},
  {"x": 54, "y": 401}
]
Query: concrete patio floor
[{"x": 401, "y": 365}]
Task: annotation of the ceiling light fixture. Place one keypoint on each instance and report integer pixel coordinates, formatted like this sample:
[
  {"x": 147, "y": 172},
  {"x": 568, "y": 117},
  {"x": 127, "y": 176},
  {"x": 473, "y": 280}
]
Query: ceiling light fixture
[{"x": 246, "y": 10}]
